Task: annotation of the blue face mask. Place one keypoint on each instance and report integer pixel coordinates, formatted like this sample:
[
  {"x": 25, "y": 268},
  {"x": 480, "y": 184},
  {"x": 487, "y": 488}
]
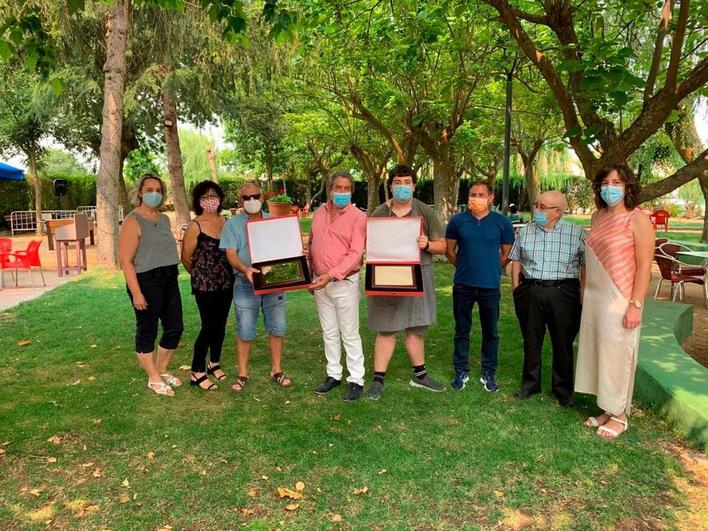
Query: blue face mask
[
  {"x": 402, "y": 192},
  {"x": 540, "y": 218},
  {"x": 612, "y": 195},
  {"x": 341, "y": 199},
  {"x": 152, "y": 199}
]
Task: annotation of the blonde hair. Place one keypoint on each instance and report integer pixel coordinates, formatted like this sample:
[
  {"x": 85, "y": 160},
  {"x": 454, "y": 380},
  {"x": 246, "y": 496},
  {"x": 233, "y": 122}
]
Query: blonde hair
[{"x": 137, "y": 200}]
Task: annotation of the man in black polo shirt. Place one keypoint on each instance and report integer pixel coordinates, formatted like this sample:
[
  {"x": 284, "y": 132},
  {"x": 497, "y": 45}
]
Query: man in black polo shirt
[
  {"x": 548, "y": 259},
  {"x": 478, "y": 245}
]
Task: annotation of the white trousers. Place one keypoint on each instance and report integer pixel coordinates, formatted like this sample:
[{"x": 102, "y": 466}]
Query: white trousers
[{"x": 338, "y": 309}]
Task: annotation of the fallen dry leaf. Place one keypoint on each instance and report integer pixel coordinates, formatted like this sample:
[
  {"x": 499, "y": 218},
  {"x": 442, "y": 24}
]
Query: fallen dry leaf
[
  {"x": 337, "y": 417},
  {"x": 91, "y": 378},
  {"x": 125, "y": 483},
  {"x": 151, "y": 455},
  {"x": 264, "y": 478},
  {"x": 96, "y": 421},
  {"x": 292, "y": 506},
  {"x": 97, "y": 473},
  {"x": 23, "y": 342},
  {"x": 124, "y": 498},
  {"x": 362, "y": 490},
  {"x": 498, "y": 493},
  {"x": 54, "y": 439},
  {"x": 251, "y": 493},
  {"x": 382, "y": 471},
  {"x": 94, "y": 345},
  {"x": 6, "y": 443},
  {"x": 75, "y": 382},
  {"x": 288, "y": 493},
  {"x": 185, "y": 368},
  {"x": 300, "y": 486},
  {"x": 51, "y": 459},
  {"x": 248, "y": 511},
  {"x": 2, "y": 452},
  {"x": 165, "y": 528},
  {"x": 35, "y": 492},
  {"x": 87, "y": 465},
  {"x": 336, "y": 517}
]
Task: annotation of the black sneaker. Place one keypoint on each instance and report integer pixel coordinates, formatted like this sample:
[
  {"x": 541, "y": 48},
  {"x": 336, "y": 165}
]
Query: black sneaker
[
  {"x": 326, "y": 386},
  {"x": 375, "y": 390},
  {"x": 427, "y": 383},
  {"x": 353, "y": 392},
  {"x": 489, "y": 380}
]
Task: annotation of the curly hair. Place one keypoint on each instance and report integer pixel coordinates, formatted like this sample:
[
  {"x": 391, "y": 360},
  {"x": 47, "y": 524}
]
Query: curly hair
[
  {"x": 201, "y": 189},
  {"x": 401, "y": 170},
  {"x": 631, "y": 185}
]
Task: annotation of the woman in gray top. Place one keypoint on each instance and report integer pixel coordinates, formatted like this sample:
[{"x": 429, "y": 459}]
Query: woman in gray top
[{"x": 148, "y": 256}]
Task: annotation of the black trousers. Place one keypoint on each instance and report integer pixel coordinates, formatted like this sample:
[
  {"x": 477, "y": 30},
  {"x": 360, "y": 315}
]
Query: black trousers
[
  {"x": 161, "y": 291},
  {"x": 214, "y": 309},
  {"x": 556, "y": 308}
]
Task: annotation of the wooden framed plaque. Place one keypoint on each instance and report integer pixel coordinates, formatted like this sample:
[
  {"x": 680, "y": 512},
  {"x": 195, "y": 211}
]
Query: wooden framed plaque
[
  {"x": 276, "y": 250},
  {"x": 393, "y": 257}
]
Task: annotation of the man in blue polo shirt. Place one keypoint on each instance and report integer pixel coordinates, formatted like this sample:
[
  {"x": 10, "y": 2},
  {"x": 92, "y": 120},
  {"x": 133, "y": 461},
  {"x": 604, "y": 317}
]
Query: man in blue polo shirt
[{"x": 478, "y": 245}]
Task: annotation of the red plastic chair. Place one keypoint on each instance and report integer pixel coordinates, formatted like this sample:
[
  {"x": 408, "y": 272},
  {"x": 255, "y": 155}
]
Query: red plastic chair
[
  {"x": 24, "y": 260},
  {"x": 660, "y": 217}
]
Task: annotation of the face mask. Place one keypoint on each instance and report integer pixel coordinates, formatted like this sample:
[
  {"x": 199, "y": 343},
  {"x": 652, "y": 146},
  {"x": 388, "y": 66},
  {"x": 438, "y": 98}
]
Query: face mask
[
  {"x": 252, "y": 206},
  {"x": 477, "y": 204},
  {"x": 612, "y": 195},
  {"x": 209, "y": 205},
  {"x": 341, "y": 199},
  {"x": 402, "y": 192},
  {"x": 540, "y": 218},
  {"x": 152, "y": 199}
]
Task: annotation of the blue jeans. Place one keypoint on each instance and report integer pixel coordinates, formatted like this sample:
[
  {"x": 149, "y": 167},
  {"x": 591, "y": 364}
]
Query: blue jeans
[
  {"x": 463, "y": 300},
  {"x": 249, "y": 305}
]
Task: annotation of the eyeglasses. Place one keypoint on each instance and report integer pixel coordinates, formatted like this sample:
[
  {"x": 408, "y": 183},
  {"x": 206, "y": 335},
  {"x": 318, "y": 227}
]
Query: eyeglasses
[
  {"x": 249, "y": 197},
  {"x": 544, "y": 207},
  {"x": 209, "y": 196}
]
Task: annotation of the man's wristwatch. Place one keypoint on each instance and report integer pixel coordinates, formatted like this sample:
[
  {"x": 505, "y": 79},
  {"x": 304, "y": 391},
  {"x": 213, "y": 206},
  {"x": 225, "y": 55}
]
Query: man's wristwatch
[{"x": 637, "y": 304}]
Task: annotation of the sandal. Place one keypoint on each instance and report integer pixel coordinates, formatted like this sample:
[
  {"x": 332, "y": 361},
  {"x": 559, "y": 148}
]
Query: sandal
[
  {"x": 170, "y": 379},
  {"x": 239, "y": 384},
  {"x": 198, "y": 382},
  {"x": 593, "y": 422},
  {"x": 613, "y": 433},
  {"x": 281, "y": 379},
  {"x": 211, "y": 369},
  {"x": 160, "y": 388}
]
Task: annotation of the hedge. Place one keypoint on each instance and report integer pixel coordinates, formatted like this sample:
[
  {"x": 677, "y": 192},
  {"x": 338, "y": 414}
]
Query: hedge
[{"x": 19, "y": 195}]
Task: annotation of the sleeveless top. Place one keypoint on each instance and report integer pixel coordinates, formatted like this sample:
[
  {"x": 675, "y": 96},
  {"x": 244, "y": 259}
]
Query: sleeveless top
[
  {"x": 156, "y": 247},
  {"x": 211, "y": 270},
  {"x": 612, "y": 241}
]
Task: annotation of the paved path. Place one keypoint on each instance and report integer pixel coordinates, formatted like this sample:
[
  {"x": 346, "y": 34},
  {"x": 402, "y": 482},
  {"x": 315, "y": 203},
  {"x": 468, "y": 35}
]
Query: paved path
[{"x": 11, "y": 296}]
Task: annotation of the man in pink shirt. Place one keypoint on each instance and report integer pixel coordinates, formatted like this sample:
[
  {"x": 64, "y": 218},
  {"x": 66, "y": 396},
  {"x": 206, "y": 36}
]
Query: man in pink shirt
[{"x": 336, "y": 246}]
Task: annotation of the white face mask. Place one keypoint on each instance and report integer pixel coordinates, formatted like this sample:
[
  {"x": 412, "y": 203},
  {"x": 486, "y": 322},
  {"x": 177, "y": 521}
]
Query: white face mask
[{"x": 252, "y": 206}]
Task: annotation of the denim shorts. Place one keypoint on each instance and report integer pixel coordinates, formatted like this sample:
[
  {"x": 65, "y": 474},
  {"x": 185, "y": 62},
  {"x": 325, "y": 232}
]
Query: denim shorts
[{"x": 248, "y": 305}]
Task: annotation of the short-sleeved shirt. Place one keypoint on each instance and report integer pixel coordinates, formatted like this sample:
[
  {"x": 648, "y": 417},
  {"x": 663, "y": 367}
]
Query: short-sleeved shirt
[
  {"x": 233, "y": 236},
  {"x": 554, "y": 254},
  {"x": 479, "y": 244}
]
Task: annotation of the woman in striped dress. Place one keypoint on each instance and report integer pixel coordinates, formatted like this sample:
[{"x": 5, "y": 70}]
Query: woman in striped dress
[{"x": 618, "y": 259}]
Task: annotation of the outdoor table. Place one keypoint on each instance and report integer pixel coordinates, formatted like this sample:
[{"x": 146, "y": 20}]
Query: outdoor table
[{"x": 54, "y": 224}]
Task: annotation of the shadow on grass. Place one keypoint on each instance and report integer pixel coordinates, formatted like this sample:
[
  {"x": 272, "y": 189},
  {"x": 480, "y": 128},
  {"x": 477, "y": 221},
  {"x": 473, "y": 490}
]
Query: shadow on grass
[{"x": 126, "y": 458}]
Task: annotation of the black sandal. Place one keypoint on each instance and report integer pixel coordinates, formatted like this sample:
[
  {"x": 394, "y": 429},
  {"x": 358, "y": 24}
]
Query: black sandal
[
  {"x": 201, "y": 379},
  {"x": 281, "y": 379},
  {"x": 241, "y": 381},
  {"x": 211, "y": 369}
]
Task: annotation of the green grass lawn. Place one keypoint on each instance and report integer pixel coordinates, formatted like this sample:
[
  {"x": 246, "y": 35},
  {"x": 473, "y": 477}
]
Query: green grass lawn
[
  {"x": 88, "y": 446},
  {"x": 676, "y": 223}
]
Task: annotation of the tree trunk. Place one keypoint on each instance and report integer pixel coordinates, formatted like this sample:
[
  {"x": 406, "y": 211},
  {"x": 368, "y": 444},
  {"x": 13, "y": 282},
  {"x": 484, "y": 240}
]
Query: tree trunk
[
  {"x": 107, "y": 195},
  {"x": 372, "y": 194},
  {"x": 174, "y": 160},
  {"x": 124, "y": 197},
  {"x": 211, "y": 157},
  {"x": 37, "y": 186},
  {"x": 703, "y": 179},
  {"x": 445, "y": 187}
]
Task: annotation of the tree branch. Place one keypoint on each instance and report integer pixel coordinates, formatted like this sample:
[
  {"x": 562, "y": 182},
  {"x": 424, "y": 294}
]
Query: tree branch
[
  {"x": 697, "y": 168},
  {"x": 658, "y": 48},
  {"x": 677, "y": 46}
]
